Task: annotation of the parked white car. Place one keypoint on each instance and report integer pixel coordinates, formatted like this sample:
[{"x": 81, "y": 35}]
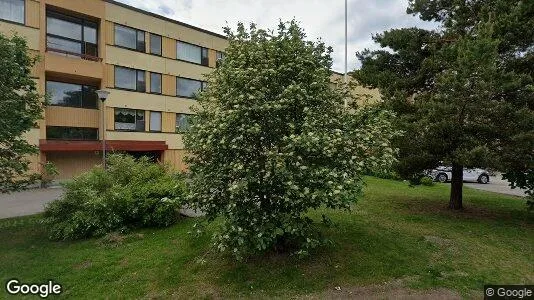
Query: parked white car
[{"x": 444, "y": 174}]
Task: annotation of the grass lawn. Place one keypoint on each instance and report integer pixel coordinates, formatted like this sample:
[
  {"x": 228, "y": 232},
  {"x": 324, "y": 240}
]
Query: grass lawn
[{"x": 398, "y": 241}]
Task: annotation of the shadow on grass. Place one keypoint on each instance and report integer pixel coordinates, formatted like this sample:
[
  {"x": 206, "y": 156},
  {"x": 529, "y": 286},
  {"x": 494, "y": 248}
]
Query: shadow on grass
[
  {"x": 476, "y": 209},
  {"x": 360, "y": 255}
]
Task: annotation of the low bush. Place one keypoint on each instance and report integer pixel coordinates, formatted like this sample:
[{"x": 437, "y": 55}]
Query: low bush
[
  {"x": 385, "y": 174},
  {"x": 130, "y": 194},
  {"x": 427, "y": 181}
]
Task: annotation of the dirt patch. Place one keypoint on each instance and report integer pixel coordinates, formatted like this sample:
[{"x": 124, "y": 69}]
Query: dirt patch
[
  {"x": 83, "y": 265},
  {"x": 388, "y": 290},
  {"x": 112, "y": 240},
  {"x": 438, "y": 241}
]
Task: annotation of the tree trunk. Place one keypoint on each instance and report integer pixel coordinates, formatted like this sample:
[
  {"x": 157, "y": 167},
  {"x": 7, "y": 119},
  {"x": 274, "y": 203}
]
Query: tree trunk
[{"x": 457, "y": 182}]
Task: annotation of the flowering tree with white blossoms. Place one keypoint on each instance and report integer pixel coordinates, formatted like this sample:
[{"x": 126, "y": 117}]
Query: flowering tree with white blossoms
[{"x": 272, "y": 140}]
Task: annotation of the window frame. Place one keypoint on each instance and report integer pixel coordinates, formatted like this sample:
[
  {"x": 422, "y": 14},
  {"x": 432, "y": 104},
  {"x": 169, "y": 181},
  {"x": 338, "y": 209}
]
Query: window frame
[
  {"x": 137, "y": 71},
  {"x": 136, "y": 111},
  {"x": 160, "y": 83},
  {"x": 23, "y": 15},
  {"x": 202, "y": 87},
  {"x": 65, "y": 127},
  {"x": 82, "y": 94},
  {"x": 83, "y": 23},
  {"x": 115, "y": 25},
  {"x": 201, "y": 54},
  {"x": 160, "y": 121},
  {"x": 160, "y": 44}
]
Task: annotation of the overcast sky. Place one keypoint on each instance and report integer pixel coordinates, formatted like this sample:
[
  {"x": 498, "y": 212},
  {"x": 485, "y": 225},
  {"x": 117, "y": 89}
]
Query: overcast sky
[{"x": 320, "y": 18}]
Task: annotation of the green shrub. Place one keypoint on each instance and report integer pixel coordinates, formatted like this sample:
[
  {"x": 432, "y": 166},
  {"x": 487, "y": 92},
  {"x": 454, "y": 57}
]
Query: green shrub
[
  {"x": 130, "y": 194},
  {"x": 427, "y": 181},
  {"x": 385, "y": 174}
]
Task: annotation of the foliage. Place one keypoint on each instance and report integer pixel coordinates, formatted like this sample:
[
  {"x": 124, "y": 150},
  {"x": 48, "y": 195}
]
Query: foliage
[
  {"x": 523, "y": 180},
  {"x": 463, "y": 92},
  {"x": 427, "y": 181},
  {"x": 20, "y": 108},
  {"x": 48, "y": 171},
  {"x": 385, "y": 174},
  {"x": 129, "y": 194},
  {"x": 272, "y": 140}
]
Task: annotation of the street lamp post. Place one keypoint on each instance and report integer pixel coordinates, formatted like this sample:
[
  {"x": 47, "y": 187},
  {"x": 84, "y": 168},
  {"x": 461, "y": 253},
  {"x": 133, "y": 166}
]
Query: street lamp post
[
  {"x": 103, "y": 95},
  {"x": 345, "y": 77}
]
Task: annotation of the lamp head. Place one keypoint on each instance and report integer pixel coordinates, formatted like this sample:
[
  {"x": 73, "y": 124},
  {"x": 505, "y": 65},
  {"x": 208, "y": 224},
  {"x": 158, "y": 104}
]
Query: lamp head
[{"x": 102, "y": 95}]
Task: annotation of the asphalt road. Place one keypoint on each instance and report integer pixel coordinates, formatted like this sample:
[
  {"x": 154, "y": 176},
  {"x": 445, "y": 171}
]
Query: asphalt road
[
  {"x": 27, "y": 202},
  {"x": 496, "y": 185}
]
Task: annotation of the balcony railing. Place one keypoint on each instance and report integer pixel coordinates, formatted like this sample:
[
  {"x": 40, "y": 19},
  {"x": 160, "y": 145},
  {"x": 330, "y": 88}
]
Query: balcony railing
[{"x": 68, "y": 53}]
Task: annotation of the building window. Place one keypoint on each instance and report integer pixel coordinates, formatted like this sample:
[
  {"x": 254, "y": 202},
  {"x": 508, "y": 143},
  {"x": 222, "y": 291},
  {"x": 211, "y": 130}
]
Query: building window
[
  {"x": 183, "y": 122},
  {"x": 155, "y": 83},
  {"x": 219, "y": 56},
  {"x": 71, "y": 133},
  {"x": 189, "y": 88},
  {"x": 130, "y": 38},
  {"x": 130, "y": 79},
  {"x": 192, "y": 53},
  {"x": 72, "y": 95},
  {"x": 155, "y": 121},
  {"x": 155, "y": 44},
  {"x": 12, "y": 10},
  {"x": 129, "y": 119},
  {"x": 71, "y": 35}
]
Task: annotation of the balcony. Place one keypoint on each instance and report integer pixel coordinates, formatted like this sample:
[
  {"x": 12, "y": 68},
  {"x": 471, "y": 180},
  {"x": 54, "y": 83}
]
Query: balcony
[
  {"x": 71, "y": 66},
  {"x": 72, "y": 45},
  {"x": 74, "y": 54}
]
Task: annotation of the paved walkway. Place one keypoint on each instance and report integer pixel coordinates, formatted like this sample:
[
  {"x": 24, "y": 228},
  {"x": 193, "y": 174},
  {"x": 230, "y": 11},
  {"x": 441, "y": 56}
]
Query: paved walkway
[
  {"x": 497, "y": 185},
  {"x": 27, "y": 202}
]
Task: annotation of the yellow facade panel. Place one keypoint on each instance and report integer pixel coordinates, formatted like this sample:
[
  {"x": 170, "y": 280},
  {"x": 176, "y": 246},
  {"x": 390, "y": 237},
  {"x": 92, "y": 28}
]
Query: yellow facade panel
[
  {"x": 33, "y": 16},
  {"x": 110, "y": 76},
  {"x": 169, "y": 48},
  {"x": 136, "y": 60},
  {"x": 35, "y": 163},
  {"x": 185, "y": 69},
  {"x": 168, "y": 122},
  {"x": 212, "y": 57},
  {"x": 169, "y": 85},
  {"x": 175, "y": 159},
  {"x": 362, "y": 94},
  {"x": 122, "y": 15},
  {"x": 70, "y": 164},
  {"x": 74, "y": 66},
  {"x": 72, "y": 117},
  {"x": 129, "y": 17},
  {"x": 147, "y": 120},
  {"x": 110, "y": 33},
  {"x": 180, "y": 105},
  {"x": 110, "y": 118},
  {"x": 38, "y": 68},
  {"x": 90, "y": 8},
  {"x": 135, "y": 100},
  {"x": 173, "y": 141},
  {"x": 30, "y": 34}
]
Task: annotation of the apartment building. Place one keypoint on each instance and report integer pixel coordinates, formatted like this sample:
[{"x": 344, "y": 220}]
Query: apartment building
[{"x": 151, "y": 65}]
